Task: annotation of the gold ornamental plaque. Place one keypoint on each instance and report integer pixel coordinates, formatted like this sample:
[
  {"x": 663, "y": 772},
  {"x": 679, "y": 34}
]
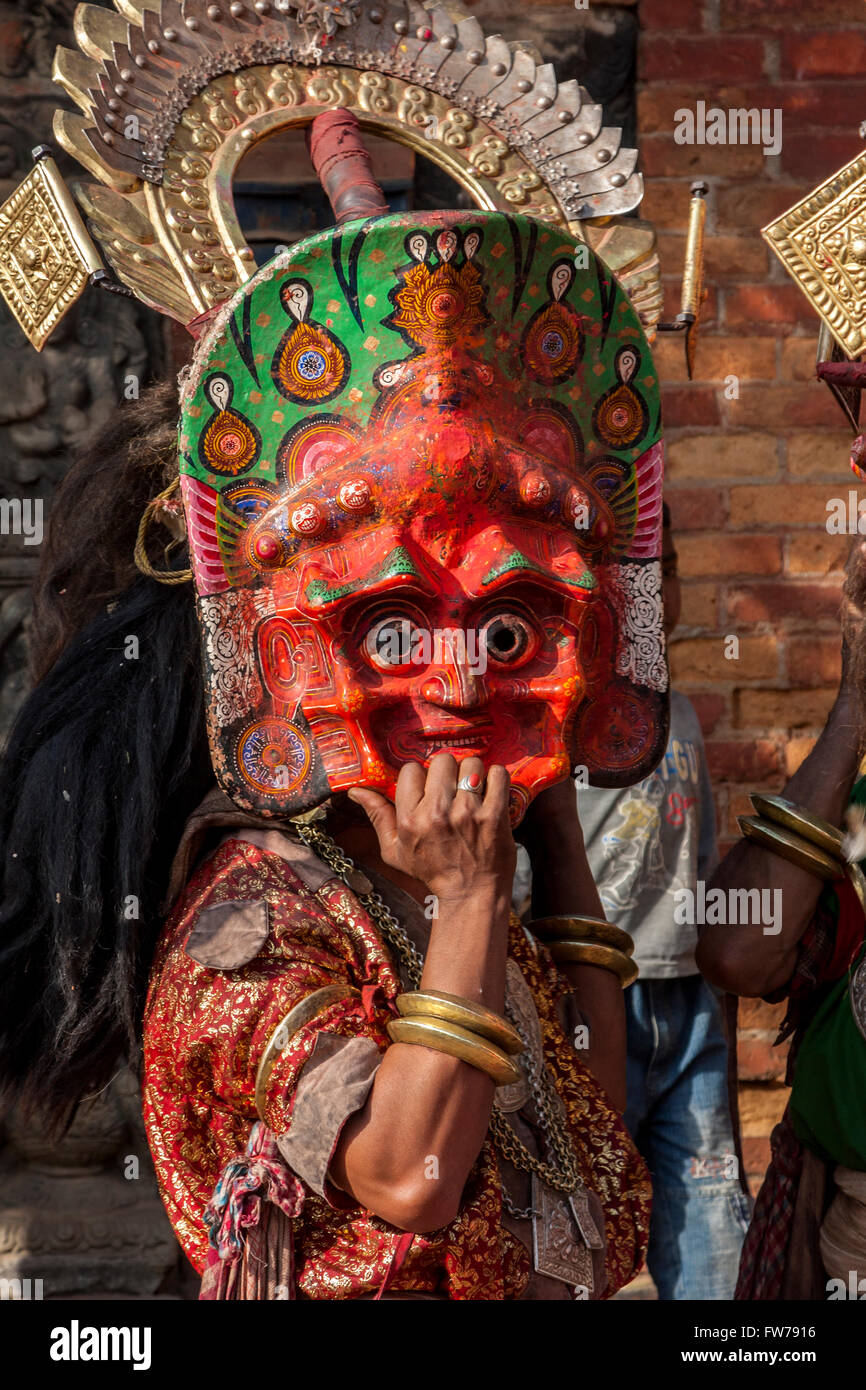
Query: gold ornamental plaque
[
  {"x": 821, "y": 241},
  {"x": 46, "y": 254}
]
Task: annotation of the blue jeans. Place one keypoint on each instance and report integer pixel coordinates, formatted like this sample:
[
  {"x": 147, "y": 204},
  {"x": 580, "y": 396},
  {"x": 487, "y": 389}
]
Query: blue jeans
[{"x": 678, "y": 1115}]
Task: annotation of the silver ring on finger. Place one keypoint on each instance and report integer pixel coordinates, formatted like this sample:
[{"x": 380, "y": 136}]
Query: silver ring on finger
[{"x": 474, "y": 783}]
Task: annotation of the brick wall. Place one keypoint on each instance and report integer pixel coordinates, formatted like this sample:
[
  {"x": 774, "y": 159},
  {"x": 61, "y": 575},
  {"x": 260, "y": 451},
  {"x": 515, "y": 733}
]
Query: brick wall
[{"x": 749, "y": 478}]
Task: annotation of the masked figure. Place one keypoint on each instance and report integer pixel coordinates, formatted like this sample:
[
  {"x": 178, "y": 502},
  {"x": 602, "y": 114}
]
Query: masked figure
[{"x": 420, "y": 467}]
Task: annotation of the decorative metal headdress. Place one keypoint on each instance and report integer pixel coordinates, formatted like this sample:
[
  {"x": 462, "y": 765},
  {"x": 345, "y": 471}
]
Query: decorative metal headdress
[{"x": 175, "y": 92}]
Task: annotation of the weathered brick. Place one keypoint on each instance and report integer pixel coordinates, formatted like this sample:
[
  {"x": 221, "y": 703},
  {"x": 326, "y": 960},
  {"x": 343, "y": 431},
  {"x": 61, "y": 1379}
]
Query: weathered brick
[
  {"x": 758, "y": 1060},
  {"x": 796, "y": 752},
  {"x": 663, "y": 59},
  {"x": 728, "y": 556},
  {"x": 756, "y": 1160},
  {"x": 816, "y": 554},
  {"x": 754, "y": 761},
  {"x": 672, "y": 15},
  {"x": 749, "y": 359},
  {"x": 751, "y": 307},
  {"x": 824, "y": 55},
  {"x": 738, "y": 804},
  {"x": 771, "y": 602},
  {"x": 805, "y": 106},
  {"x": 695, "y": 509},
  {"x": 761, "y": 1104},
  {"x": 700, "y": 604},
  {"x": 782, "y": 504},
  {"x": 798, "y": 359},
  {"x": 810, "y": 159},
  {"x": 662, "y": 156},
  {"x": 669, "y": 358},
  {"x": 720, "y": 456},
  {"x": 702, "y": 659},
  {"x": 823, "y": 452},
  {"x": 744, "y": 257},
  {"x": 782, "y": 709},
  {"x": 782, "y": 407},
  {"x": 665, "y": 202},
  {"x": 711, "y": 707},
  {"x": 755, "y": 1013},
  {"x": 750, "y": 206},
  {"x": 689, "y": 405},
  {"x": 814, "y": 660},
  {"x": 657, "y": 105},
  {"x": 747, "y": 15}
]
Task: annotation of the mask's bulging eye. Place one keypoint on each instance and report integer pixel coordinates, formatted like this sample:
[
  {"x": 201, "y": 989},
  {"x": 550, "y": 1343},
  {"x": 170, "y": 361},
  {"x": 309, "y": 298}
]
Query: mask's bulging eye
[
  {"x": 389, "y": 644},
  {"x": 509, "y": 638}
]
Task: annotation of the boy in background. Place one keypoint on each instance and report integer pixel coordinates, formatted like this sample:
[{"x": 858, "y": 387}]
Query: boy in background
[{"x": 644, "y": 843}]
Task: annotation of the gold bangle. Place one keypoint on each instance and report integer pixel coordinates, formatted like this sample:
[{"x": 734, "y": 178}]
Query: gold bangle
[
  {"x": 779, "y": 840},
  {"x": 582, "y": 929},
  {"x": 296, "y": 1019},
  {"x": 591, "y": 953},
  {"x": 457, "y": 1042},
  {"x": 453, "y": 1008},
  {"x": 817, "y": 847},
  {"x": 812, "y": 828}
]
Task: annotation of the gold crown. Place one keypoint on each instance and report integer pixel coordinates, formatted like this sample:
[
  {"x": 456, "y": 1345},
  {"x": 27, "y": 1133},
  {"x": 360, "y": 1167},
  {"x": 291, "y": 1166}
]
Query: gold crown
[{"x": 173, "y": 93}]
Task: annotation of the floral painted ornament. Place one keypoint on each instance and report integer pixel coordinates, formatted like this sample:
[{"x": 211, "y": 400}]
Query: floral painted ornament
[{"x": 446, "y": 537}]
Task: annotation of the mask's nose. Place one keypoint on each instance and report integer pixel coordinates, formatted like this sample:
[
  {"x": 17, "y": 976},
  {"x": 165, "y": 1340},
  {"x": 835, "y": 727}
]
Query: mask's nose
[{"x": 458, "y": 684}]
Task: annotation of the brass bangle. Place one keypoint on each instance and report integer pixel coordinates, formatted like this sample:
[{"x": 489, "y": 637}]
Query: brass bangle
[
  {"x": 457, "y": 1042},
  {"x": 296, "y": 1019},
  {"x": 582, "y": 929},
  {"x": 802, "y": 838},
  {"x": 592, "y": 953},
  {"x": 453, "y": 1008},
  {"x": 802, "y": 822},
  {"x": 779, "y": 840}
]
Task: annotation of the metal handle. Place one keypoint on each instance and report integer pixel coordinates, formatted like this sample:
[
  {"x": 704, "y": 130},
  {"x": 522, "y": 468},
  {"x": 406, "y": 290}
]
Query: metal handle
[{"x": 693, "y": 273}]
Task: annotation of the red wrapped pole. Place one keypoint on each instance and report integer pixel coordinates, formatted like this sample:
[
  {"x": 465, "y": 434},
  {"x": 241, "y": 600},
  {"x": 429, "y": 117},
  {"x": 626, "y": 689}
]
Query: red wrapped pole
[{"x": 344, "y": 167}]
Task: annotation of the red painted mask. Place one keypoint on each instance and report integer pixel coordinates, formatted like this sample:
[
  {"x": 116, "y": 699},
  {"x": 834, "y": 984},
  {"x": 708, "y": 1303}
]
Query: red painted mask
[{"x": 424, "y": 507}]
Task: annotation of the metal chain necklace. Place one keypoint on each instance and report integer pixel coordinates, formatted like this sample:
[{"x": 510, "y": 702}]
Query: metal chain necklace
[{"x": 565, "y": 1177}]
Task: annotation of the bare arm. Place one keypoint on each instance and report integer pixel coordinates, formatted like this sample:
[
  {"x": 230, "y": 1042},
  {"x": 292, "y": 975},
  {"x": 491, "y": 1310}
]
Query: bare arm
[
  {"x": 562, "y": 883},
  {"x": 424, "y": 1105},
  {"x": 742, "y": 958}
]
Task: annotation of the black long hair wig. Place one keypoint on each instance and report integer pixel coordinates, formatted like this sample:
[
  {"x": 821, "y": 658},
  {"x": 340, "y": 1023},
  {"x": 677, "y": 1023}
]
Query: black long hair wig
[{"x": 106, "y": 760}]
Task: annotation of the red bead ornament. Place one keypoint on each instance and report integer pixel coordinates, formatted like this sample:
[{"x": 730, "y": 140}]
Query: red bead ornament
[
  {"x": 267, "y": 548},
  {"x": 534, "y": 490}
]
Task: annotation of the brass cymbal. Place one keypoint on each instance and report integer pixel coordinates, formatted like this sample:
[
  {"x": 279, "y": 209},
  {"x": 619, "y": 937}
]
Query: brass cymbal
[
  {"x": 812, "y": 828},
  {"x": 779, "y": 840}
]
